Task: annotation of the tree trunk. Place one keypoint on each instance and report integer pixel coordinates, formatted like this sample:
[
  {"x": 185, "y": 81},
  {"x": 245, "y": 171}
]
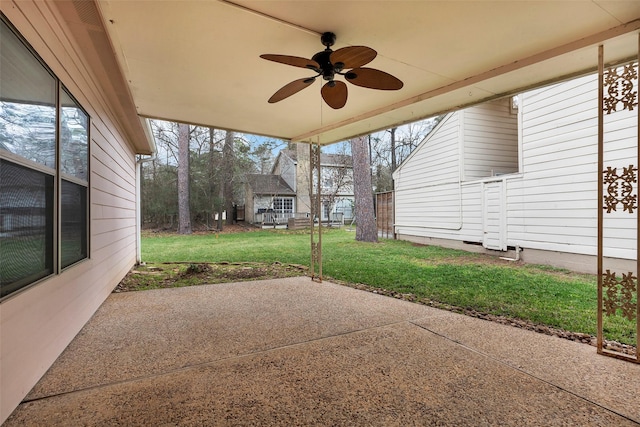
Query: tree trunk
[
  {"x": 366, "y": 230},
  {"x": 394, "y": 162},
  {"x": 227, "y": 180},
  {"x": 184, "y": 215},
  {"x": 219, "y": 225}
]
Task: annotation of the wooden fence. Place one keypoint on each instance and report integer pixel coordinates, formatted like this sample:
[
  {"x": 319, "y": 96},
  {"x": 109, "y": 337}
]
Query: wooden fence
[{"x": 385, "y": 214}]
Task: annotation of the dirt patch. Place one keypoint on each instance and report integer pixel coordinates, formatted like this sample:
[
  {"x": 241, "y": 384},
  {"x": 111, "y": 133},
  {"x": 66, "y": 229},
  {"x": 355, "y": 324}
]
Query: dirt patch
[
  {"x": 202, "y": 229},
  {"x": 172, "y": 275}
]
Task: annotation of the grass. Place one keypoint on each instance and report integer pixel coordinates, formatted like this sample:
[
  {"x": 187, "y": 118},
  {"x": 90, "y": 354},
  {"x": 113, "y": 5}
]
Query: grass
[{"x": 539, "y": 294}]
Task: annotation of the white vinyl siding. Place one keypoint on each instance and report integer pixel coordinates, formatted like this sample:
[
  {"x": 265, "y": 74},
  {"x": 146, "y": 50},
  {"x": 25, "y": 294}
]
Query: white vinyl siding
[
  {"x": 551, "y": 204},
  {"x": 493, "y": 215},
  {"x": 554, "y": 205},
  {"x": 428, "y": 192},
  {"x": 490, "y": 137},
  {"x": 436, "y": 160},
  {"x": 431, "y": 199}
]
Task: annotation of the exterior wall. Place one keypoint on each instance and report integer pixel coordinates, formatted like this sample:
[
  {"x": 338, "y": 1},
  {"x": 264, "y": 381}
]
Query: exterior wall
[
  {"x": 303, "y": 165},
  {"x": 249, "y": 204},
  {"x": 428, "y": 183},
  {"x": 553, "y": 205},
  {"x": 550, "y": 206},
  {"x": 288, "y": 172},
  {"x": 286, "y": 168},
  {"x": 262, "y": 202},
  {"x": 490, "y": 140},
  {"x": 40, "y": 321}
]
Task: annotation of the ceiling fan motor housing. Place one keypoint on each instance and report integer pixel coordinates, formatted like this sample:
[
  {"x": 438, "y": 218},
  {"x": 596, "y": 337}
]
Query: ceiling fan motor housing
[
  {"x": 326, "y": 67},
  {"x": 328, "y": 39}
]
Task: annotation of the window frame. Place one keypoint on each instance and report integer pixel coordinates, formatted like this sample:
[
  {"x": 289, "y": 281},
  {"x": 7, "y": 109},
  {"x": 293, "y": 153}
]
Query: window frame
[
  {"x": 56, "y": 173},
  {"x": 283, "y": 203}
]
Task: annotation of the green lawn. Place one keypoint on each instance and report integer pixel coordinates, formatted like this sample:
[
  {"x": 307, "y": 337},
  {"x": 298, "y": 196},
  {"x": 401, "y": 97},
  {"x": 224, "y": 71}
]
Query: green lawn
[{"x": 539, "y": 294}]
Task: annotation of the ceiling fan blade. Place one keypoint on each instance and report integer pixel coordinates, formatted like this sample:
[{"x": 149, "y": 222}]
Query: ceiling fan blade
[
  {"x": 353, "y": 56},
  {"x": 373, "y": 79},
  {"x": 290, "y": 89},
  {"x": 296, "y": 61},
  {"x": 335, "y": 96}
]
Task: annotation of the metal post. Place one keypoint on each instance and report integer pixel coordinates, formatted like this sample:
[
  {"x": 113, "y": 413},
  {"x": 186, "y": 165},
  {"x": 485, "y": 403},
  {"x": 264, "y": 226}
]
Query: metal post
[
  {"x": 600, "y": 187},
  {"x": 638, "y": 229}
]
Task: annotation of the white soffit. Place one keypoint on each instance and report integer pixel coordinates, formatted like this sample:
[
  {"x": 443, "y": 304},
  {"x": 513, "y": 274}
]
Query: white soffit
[{"x": 198, "y": 61}]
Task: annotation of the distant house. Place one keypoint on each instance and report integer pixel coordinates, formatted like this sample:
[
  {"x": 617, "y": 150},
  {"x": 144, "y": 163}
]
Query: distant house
[
  {"x": 268, "y": 199},
  {"x": 273, "y": 198},
  {"x": 506, "y": 175}
]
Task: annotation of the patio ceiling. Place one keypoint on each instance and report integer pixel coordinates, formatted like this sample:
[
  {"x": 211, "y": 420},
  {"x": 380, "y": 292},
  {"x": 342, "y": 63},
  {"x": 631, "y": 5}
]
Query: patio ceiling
[{"x": 198, "y": 61}]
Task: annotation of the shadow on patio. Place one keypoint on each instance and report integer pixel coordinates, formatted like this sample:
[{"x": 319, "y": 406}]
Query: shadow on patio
[{"x": 295, "y": 352}]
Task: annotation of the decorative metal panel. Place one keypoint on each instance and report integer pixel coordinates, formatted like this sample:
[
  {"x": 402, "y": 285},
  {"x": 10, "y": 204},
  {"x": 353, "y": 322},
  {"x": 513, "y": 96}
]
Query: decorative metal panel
[
  {"x": 618, "y": 293},
  {"x": 620, "y": 189},
  {"x": 314, "y": 189},
  {"x": 619, "y": 85}
]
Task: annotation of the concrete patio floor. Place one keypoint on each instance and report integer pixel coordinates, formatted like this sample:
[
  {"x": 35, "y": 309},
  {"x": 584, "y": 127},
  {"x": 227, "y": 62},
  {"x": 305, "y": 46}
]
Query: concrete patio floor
[{"x": 295, "y": 352}]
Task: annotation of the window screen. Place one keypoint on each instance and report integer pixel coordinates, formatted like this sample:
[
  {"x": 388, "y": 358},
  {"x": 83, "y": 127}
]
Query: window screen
[
  {"x": 74, "y": 223},
  {"x": 26, "y": 226}
]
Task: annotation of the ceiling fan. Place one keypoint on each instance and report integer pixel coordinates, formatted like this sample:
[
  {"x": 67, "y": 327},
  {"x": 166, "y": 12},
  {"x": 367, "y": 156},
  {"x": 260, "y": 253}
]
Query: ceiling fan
[{"x": 328, "y": 64}]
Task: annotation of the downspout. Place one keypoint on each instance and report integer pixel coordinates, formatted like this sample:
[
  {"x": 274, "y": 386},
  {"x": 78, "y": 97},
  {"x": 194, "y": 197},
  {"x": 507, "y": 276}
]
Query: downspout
[
  {"x": 147, "y": 130},
  {"x": 139, "y": 163}
]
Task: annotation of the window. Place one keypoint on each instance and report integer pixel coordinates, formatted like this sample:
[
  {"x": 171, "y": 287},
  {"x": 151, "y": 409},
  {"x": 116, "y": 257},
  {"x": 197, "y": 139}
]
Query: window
[
  {"x": 283, "y": 205},
  {"x": 44, "y": 159}
]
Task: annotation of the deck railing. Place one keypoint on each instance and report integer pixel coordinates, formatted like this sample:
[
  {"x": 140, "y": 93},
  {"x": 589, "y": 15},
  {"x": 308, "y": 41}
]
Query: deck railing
[{"x": 277, "y": 217}]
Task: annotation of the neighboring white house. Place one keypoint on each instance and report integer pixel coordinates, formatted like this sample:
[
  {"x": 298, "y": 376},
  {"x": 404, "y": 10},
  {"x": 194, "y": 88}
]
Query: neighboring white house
[
  {"x": 520, "y": 173},
  {"x": 68, "y": 199},
  {"x": 285, "y": 191}
]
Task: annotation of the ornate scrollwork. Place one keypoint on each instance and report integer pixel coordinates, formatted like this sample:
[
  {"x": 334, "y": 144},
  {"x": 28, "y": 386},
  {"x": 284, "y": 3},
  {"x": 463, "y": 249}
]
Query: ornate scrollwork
[
  {"x": 619, "y": 294},
  {"x": 315, "y": 156},
  {"x": 620, "y": 189},
  {"x": 619, "y": 87}
]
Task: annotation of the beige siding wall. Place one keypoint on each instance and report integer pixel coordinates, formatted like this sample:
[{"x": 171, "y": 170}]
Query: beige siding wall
[{"x": 39, "y": 322}]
